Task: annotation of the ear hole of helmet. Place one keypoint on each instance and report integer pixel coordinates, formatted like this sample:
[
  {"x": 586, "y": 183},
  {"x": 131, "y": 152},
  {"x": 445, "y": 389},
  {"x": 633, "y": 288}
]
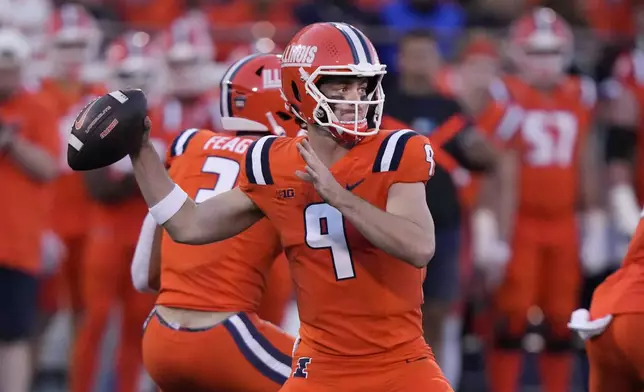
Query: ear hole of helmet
[
  {"x": 296, "y": 92},
  {"x": 284, "y": 116}
]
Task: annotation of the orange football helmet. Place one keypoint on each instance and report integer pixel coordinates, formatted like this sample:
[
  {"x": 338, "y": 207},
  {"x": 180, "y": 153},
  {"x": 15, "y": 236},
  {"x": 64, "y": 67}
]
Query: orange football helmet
[
  {"x": 323, "y": 50},
  {"x": 250, "y": 97},
  {"x": 133, "y": 61},
  {"x": 74, "y": 39},
  {"x": 541, "y": 44}
]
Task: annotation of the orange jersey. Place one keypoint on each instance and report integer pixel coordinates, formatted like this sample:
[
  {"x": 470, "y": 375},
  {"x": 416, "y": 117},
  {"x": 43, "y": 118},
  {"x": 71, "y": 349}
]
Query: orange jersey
[
  {"x": 26, "y": 204},
  {"x": 623, "y": 291},
  {"x": 353, "y": 298},
  {"x": 226, "y": 276},
  {"x": 549, "y": 130},
  {"x": 71, "y": 201}
]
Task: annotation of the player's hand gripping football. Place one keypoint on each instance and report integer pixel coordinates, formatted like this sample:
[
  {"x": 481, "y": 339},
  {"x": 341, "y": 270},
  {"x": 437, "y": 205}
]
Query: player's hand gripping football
[{"x": 319, "y": 175}]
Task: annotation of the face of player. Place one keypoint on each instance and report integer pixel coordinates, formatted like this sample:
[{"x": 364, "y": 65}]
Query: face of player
[
  {"x": 140, "y": 79},
  {"x": 479, "y": 70},
  {"x": 543, "y": 68},
  {"x": 347, "y": 89},
  {"x": 186, "y": 77},
  {"x": 418, "y": 58},
  {"x": 68, "y": 58}
]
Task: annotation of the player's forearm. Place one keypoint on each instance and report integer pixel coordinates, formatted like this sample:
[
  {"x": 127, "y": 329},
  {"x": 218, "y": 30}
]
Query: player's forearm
[
  {"x": 395, "y": 235},
  {"x": 156, "y": 185},
  {"x": 33, "y": 160},
  {"x": 216, "y": 219}
]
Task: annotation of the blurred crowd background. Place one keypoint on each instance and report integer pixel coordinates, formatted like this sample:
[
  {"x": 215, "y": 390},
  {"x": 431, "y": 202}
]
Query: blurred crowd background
[{"x": 176, "y": 50}]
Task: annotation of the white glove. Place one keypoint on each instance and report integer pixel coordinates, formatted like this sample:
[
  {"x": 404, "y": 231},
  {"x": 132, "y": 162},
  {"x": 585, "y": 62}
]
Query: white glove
[
  {"x": 52, "y": 252},
  {"x": 595, "y": 247},
  {"x": 491, "y": 255},
  {"x": 580, "y": 322},
  {"x": 624, "y": 208}
]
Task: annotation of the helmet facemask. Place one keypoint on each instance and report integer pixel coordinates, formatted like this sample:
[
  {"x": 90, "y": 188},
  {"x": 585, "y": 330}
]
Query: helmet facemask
[{"x": 347, "y": 119}]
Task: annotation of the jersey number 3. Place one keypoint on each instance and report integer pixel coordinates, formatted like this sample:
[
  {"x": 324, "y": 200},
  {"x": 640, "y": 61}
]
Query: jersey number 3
[
  {"x": 324, "y": 229},
  {"x": 227, "y": 171}
]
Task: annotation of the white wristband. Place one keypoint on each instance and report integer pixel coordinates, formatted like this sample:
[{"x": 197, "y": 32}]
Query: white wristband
[{"x": 164, "y": 210}]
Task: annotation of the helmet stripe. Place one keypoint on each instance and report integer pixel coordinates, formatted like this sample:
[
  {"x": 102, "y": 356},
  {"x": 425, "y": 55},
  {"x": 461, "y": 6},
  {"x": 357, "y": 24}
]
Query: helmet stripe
[
  {"x": 363, "y": 42},
  {"x": 225, "y": 102},
  {"x": 357, "y": 50}
]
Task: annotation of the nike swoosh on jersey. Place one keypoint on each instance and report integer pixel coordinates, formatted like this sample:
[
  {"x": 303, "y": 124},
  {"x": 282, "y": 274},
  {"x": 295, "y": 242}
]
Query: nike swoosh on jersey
[{"x": 351, "y": 187}]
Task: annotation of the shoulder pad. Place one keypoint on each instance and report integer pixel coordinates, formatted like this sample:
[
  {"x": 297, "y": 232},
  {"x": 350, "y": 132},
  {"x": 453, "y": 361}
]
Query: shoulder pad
[
  {"x": 391, "y": 150},
  {"x": 180, "y": 143},
  {"x": 257, "y": 165}
]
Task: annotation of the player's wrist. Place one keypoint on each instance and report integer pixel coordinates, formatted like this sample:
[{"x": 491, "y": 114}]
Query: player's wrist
[
  {"x": 343, "y": 200},
  {"x": 146, "y": 148}
]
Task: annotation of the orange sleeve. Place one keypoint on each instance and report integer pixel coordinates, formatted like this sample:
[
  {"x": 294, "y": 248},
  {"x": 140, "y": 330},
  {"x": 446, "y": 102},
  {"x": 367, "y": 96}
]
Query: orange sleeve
[
  {"x": 417, "y": 160},
  {"x": 179, "y": 145},
  {"x": 257, "y": 177}
]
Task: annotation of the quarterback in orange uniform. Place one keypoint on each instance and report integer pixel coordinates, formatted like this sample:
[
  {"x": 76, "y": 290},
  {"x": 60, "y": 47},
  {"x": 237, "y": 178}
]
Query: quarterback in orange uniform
[
  {"x": 206, "y": 311},
  {"x": 543, "y": 174},
  {"x": 349, "y": 205}
]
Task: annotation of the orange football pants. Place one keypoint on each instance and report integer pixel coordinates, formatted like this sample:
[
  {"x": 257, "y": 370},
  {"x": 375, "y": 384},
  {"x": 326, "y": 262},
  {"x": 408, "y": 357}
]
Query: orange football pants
[
  {"x": 616, "y": 357},
  {"x": 315, "y": 372},
  {"x": 241, "y": 354},
  {"x": 106, "y": 282},
  {"x": 544, "y": 270},
  {"x": 278, "y": 293}
]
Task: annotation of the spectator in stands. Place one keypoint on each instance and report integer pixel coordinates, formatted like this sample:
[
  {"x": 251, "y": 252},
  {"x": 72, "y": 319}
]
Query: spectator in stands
[
  {"x": 29, "y": 146},
  {"x": 415, "y": 103},
  {"x": 445, "y": 18}
]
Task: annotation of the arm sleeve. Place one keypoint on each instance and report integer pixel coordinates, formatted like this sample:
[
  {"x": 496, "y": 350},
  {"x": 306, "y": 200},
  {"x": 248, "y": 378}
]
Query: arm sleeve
[
  {"x": 416, "y": 161},
  {"x": 256, "y": 178}
]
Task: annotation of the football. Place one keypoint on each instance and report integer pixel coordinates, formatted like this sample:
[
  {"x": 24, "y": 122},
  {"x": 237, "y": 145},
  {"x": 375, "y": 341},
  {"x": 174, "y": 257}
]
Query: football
[{"x": 107, "y": 129}]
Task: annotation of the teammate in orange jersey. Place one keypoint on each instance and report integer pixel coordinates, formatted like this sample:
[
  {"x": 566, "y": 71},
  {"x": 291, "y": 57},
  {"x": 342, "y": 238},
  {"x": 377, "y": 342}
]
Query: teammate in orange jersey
[
  {"x": 73, "y": 35},
  {"x": 188, "y": 100},
  {"x": 545, "y": 170},
  {"x": 206, "y": 311},
  {"x": 612, "y": 327},
  {"x": 29, "y": 147},
  {"x": 349, "y": 205},
  {"x": 114, "y": 220}
]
